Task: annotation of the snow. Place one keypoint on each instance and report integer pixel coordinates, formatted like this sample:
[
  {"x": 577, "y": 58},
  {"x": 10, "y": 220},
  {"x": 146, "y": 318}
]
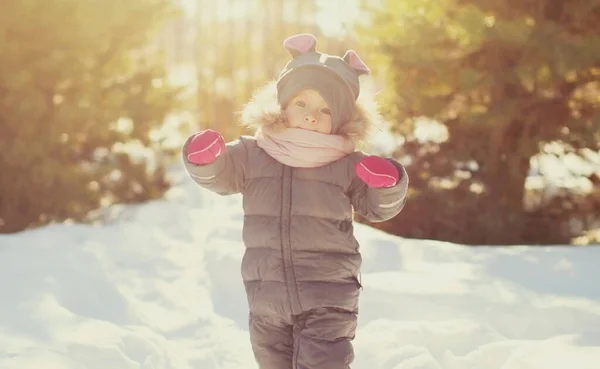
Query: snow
[{"x": 160, "y": 288}]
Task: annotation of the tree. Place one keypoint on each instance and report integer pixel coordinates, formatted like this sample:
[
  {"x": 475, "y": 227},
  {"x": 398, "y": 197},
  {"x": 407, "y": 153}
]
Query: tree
[
  {"x": 505, "y": 78},
  {"x": 80, "y": 84}
]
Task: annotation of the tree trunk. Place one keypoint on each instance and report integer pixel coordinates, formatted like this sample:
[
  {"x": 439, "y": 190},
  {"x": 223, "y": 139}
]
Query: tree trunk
[{"x": 504, "y": 171}]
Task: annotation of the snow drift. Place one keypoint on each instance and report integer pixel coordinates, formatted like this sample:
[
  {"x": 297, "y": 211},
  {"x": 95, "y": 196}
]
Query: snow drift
[{"x": 159, "y": 287}]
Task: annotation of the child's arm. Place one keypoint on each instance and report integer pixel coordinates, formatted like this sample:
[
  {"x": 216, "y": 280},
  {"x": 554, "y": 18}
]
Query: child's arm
[
  {"x": 378, "y": 189},
  {"x": 214, "y": 165}
]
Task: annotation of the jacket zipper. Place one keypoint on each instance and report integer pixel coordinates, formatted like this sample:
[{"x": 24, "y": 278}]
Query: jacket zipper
[{"x": 286, "y": 243}]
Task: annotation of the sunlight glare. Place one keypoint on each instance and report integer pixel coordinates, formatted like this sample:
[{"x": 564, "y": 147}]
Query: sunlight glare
[{"x": 333, "y": 17}]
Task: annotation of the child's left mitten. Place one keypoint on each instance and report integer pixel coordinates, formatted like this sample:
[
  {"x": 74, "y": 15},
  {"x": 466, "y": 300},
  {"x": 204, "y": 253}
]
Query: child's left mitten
[{"x": 377, "y": 172}]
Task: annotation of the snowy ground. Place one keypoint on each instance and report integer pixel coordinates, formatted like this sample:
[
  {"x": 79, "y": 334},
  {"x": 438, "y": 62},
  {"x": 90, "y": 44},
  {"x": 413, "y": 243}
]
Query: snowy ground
[{"x": 160, "y": 288}]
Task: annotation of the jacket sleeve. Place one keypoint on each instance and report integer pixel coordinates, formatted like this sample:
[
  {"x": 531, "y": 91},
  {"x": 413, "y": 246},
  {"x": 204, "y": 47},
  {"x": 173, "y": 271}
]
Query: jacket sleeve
[
  {"x": 378, "y": 204},
  {"x": 224, "y": 176}
]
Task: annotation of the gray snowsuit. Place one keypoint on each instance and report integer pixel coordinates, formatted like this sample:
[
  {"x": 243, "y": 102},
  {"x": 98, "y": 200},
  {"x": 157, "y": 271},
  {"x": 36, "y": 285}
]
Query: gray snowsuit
[{"x": 301, "y": 264}]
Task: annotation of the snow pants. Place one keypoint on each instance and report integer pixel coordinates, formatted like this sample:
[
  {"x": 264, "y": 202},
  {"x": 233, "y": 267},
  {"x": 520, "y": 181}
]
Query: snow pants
[{"x": 318, "y": 339}]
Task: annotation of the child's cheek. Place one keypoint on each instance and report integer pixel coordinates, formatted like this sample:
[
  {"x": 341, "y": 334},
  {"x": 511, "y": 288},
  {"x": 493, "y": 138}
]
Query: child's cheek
[{"x": 292, "y": 116}]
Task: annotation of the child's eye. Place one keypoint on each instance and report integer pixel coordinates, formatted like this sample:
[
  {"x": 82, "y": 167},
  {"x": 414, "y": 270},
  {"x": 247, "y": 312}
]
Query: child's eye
[
  {"x": 300, "y": 103},
  {"x": 326, "y": 111}
]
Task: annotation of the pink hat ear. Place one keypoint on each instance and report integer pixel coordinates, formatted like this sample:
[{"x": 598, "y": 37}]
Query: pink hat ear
[
  {"x": 300, "y": 44},
  {"x": 352, "y": 58}
]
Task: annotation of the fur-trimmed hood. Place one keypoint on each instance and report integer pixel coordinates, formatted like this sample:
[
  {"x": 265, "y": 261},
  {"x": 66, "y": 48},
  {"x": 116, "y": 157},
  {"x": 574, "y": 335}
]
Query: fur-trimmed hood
[{"x": 264, "y": 110}]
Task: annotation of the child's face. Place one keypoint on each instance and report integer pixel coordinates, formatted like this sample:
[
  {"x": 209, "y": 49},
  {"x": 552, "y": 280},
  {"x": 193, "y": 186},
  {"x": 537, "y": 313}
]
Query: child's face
[{"x": 308, "y": 110}]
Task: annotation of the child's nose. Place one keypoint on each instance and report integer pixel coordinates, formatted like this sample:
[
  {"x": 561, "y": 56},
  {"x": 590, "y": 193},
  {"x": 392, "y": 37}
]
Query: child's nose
[{"x": 310, "y": 119}]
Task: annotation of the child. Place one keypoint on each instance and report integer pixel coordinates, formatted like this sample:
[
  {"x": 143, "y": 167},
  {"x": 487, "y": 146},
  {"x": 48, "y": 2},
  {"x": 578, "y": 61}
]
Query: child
[{"x": 300, "y": 178}]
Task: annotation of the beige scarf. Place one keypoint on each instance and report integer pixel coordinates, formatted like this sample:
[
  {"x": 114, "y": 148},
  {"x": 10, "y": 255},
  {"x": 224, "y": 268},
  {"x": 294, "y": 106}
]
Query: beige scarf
[{"x": 301, "y": 148}]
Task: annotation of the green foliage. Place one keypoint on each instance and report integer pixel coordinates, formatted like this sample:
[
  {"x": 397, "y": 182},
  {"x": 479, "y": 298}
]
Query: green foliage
[
  {"x": 79, "y": 83},
  {"x": 504, "y": 77}
]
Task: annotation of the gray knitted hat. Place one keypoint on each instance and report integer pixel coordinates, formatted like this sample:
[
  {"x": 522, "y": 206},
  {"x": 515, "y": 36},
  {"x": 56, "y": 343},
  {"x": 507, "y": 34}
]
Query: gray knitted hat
[{"x": 335, "y": 78}]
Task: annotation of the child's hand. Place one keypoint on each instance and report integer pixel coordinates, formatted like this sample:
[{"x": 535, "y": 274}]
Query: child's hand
[
  {"x": 377, "y": 172},
  {"x": 205, "y": 146}
]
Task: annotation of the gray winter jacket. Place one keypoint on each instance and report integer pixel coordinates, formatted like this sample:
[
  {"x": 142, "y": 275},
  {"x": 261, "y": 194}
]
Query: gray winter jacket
[{"x": 301, "y": 252}]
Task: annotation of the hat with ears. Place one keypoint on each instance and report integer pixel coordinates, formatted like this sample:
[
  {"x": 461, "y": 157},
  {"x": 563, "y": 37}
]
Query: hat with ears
[{"x": 334, "y": 77}]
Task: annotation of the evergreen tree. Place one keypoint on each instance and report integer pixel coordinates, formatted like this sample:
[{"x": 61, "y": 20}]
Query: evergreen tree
[
  {"x": 505, "y": 77},
  {"x": 79, "y": 84}
]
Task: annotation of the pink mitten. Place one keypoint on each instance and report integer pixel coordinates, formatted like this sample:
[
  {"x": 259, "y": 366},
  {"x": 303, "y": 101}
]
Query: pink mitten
[
  {"x": 205, "y": 147},
  {"x": 377, "y": 172}
]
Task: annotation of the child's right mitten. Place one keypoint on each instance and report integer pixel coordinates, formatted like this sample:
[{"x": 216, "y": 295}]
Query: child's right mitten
[{"x": 205, "y": 147}]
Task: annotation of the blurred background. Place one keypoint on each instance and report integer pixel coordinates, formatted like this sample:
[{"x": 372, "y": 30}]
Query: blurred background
[{"x": 493, "y": 106}]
